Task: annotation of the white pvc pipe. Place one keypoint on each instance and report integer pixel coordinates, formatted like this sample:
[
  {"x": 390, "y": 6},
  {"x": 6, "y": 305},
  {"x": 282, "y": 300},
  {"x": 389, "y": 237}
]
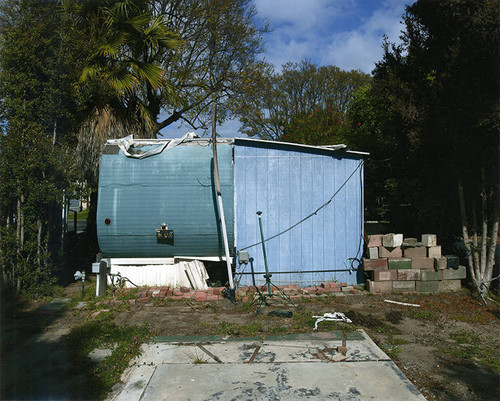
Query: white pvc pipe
[{"x": 226, "y": 245}]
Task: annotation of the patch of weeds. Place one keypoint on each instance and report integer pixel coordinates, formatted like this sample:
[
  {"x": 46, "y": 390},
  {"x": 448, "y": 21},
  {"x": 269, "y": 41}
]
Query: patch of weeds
[
  {"x": 157, "y": 301},
  {"x": 392, "y": 351},
  {"x": 278, "y": 329},
  {"x": 197, "y": 360},
  {"x": 232, "y": 329},
  {"x": 302, "y": 319},
  {"x": 465, "y": 337},
  {"x": 103, "y": 333},
  {"x": 424, "y": 314},
  {"x": 246, "y": 306},
  {"x": 469, "y": 318},
  {"x": 126, "y": 295},
  {"x": 397, "y": 341},
  {"x": 89, "y": 297},
  {"x": 472, "y": 348}
]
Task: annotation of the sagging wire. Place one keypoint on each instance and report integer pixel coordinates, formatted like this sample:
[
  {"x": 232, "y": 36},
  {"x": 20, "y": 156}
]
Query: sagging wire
[{"x": 313, "y": 213}]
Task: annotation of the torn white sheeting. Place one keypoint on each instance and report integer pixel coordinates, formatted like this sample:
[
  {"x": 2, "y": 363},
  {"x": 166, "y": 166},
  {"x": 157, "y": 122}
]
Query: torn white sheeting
[
  {"x": 400, "y": 303},
  {"x": 331, "y": 317},
  {"x": 184, "y": 274},
  {"x": 127, "y": 142}
]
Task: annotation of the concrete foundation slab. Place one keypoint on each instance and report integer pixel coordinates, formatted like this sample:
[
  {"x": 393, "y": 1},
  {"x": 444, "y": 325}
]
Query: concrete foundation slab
[{"x": 291, "y": 367}]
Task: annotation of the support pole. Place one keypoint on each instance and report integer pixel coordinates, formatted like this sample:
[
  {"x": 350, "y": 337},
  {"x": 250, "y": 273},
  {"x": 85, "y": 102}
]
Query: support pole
[
  {"x": 267, "y": 276},
  {"x": 221, "y": 207}
]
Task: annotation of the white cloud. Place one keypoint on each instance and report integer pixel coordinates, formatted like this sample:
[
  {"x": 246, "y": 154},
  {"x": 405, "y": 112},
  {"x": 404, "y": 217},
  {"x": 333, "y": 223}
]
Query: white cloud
[{"x": 346, "y": 33}]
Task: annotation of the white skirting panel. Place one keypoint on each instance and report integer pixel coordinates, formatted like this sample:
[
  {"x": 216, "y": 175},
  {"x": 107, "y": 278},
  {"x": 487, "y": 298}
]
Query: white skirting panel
[{"x": 183, "y": 274}]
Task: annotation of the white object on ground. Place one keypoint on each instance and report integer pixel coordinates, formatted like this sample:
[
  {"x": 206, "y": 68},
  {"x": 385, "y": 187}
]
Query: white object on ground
[
  {"x": 331, "y": 317},
  {"x": 400, "y": 303}
]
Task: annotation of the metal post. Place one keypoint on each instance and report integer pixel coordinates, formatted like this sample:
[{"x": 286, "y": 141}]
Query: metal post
[
  {"x": 267, "y": 276},
  {"x": 221, "y": 207}
]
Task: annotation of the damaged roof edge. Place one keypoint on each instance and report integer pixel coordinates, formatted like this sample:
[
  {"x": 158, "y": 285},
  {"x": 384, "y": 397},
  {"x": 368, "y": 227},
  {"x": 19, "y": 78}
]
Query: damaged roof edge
[
  {"x": 199, "y": 140},
  {"x": 335, "y": 148}
]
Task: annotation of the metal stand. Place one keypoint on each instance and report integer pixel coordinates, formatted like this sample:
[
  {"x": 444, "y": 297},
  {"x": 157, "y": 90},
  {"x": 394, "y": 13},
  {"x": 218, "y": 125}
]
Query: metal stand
[{"x": 268, "y": 275}]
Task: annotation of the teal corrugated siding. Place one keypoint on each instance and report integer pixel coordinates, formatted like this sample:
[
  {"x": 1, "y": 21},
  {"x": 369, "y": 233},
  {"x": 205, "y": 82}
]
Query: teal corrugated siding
[{"x": 176, "y": 187}]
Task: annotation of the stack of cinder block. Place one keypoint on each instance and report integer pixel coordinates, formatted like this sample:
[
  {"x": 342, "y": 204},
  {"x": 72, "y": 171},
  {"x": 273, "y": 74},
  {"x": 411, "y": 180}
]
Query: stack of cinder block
[{"x": 397, "y": 264}]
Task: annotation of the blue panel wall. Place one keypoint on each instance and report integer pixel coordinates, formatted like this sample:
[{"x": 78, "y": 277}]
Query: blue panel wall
[
  {"x": 288, "y": 183},
  {"x": 176, "y": 187}
]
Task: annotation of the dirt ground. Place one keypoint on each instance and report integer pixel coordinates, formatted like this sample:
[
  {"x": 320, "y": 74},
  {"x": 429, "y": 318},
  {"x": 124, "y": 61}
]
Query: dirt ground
[{"x": 449, "y": 346}]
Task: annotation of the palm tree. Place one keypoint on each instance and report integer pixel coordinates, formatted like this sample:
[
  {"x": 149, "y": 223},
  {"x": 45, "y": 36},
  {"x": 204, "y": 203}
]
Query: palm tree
[{"x": 125, "y": 39}]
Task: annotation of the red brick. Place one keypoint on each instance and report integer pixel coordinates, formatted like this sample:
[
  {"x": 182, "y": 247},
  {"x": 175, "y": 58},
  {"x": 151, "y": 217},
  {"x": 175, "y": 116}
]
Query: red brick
[
  {"x": 384, "y": 252},
  {"x": 330, "y": 285},
  {"x": 374, "y": 264},
  {"x": 176, "y": 297},
  {"x": 374, "y": 240},
  {"x": 143, "y": 300},
  {"x": 213, "y": 297},
  {"x": 184, "y": 289},
  {"x": 320, "y": 291},
  {"x": 200, "y": 296}
]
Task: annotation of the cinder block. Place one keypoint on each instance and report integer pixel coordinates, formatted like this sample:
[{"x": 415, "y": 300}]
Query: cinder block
[
  {"x": 452, "y": 261},
  {"x": 392, "y": 240},
  {"x": 431, "y": 275},
  {"x": 439, "y": 263},
  {"x": 429, "y": 239},
  {"x": 408, "y": 274},
  {"x": 379, "y": 287},
  {"x": 434, "y": 251},
  {"x": 372, "y": 253},
  {"x": 384, "y": 252},
  {"x": 400, "y": 263},
  {"x": 415, "y": 252},
  {"x": 374, "y": 264},
  {"x": 455, "y": 274},
  {"x": 403, "y": 286},
  {"x": 427, "y": 286},
  {"x": 374, "y": 240},
  {"x": 410, "y": 242},
  {"x": 450, "y": 285},
  {"x": 422, "y": 263},
  {"x": 385, "y": 275}
]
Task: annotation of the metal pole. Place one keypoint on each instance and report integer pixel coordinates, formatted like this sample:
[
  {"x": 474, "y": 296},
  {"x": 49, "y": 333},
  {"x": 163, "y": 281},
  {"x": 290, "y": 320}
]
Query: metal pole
[
  {"x": 267, "y": 276},
  {"x": 221, "y": 207}
]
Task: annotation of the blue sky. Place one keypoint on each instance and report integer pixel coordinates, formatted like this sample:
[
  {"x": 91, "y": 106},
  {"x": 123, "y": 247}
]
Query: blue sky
[{"x": 345, "y": 33}]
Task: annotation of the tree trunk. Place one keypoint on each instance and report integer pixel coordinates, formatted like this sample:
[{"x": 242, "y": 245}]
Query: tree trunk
[
  {"x": 39, "y": 244},
  {"x": 465, "y": 233}
]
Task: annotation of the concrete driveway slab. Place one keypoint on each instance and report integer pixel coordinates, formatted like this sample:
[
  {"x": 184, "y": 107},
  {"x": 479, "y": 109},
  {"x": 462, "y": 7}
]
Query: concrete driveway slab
[{"x": 293, "y": 367}]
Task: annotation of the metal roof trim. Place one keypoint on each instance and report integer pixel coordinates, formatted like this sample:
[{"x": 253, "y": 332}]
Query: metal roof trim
[{"x": 333, "y": 148}]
